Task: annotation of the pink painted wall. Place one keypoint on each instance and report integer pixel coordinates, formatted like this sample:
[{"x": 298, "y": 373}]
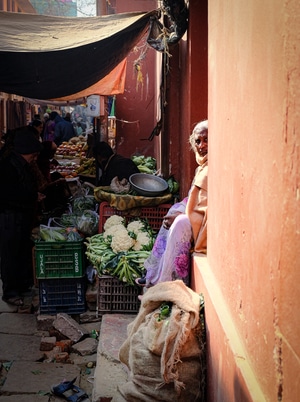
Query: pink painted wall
[{"x": 254, "y": 194}]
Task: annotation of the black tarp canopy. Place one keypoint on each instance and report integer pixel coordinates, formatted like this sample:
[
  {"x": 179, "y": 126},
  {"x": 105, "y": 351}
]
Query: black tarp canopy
[{"x": 48, "y": 57}]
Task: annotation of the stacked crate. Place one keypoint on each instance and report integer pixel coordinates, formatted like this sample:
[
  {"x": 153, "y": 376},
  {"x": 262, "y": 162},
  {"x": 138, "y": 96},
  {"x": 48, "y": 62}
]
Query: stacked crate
[
  {"x": 114, "y": 296},
  {"x": 61, "y": 279}
]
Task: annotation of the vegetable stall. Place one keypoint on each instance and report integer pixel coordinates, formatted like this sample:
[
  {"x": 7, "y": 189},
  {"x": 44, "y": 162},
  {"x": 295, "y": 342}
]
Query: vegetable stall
[{"x": 112, "y": 229}]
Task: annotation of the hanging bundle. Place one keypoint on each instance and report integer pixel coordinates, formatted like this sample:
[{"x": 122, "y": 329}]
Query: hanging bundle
[
  {"x": 139, "y": 77},
  {"x": 162, "y": 36}
]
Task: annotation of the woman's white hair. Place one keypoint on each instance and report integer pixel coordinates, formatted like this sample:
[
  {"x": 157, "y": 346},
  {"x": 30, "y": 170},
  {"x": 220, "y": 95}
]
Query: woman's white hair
[{"x": 199, "y": 127}]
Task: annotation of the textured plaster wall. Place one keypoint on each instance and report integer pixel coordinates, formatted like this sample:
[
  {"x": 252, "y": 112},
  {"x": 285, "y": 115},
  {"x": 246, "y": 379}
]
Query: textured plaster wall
[{"x": 254, "y": 194}]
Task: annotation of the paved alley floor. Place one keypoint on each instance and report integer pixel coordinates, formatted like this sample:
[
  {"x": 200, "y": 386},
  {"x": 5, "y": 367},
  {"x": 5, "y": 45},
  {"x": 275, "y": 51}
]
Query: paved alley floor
[{"x": 26, "y": 376}]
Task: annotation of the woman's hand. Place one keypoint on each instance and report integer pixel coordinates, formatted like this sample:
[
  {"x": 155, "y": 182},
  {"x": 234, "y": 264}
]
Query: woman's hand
[{"x": 169, "y": 219}]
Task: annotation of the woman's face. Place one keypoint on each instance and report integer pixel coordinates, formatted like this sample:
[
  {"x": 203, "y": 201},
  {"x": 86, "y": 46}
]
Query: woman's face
[{"x": 201, "y": 142}]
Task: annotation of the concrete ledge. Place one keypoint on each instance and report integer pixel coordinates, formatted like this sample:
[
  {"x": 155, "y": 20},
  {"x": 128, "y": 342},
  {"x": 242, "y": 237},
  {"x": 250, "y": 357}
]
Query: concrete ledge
[
  {"x": 110, "y": 373},
  {"x": 230, "y": 376}
]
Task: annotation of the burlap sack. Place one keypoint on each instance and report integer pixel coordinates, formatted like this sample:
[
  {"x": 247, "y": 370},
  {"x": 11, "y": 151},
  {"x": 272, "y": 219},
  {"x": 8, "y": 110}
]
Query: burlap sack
[{"x": 164, "y": 356}]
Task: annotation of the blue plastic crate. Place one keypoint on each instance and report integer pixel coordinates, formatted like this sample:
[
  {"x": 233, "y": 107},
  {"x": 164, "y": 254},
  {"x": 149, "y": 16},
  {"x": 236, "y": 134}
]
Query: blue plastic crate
[{"x": 62, "y": 295}]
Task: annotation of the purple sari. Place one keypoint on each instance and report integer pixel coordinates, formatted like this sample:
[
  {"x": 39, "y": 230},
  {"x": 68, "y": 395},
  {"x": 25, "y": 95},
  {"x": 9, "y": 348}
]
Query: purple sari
[{"x": 170, "y": 256}]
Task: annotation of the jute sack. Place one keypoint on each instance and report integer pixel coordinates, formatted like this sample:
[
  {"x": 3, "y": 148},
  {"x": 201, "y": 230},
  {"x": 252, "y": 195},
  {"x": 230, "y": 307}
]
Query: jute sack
[{"x": 164, "y": 354}]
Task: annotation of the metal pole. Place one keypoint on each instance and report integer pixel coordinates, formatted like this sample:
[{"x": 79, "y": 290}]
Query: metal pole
[{"x": 101, "y": 7}]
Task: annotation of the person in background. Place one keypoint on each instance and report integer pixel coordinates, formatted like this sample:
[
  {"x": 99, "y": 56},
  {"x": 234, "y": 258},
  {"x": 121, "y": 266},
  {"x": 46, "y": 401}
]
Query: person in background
[
  {"x": 18, "y": 201},
  {"x": 112, "y": 164},
  {"x": 45, "y": 120},
  {"x": 49, "y": 127},
  {"x": 45, "y": 157},
  {"x": 37, "y": 125},
  {"x": 184, "y": 226},
  {"x": 63, "y": 130},
  {"x": 79, "y": 129},
  {"x": 90, "y": 140},
  {"x": 68, "y": 117},
  {"x": 52, "y": 185}
]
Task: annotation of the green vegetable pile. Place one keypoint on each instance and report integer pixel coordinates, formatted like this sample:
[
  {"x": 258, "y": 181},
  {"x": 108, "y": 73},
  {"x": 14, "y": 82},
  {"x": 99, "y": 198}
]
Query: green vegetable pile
[
  {"x": 145, "y": 164},
  {"x": 173, "y": 185},
  {"x": 83, "y": 203},
  {"x": 121, "y": 250}
]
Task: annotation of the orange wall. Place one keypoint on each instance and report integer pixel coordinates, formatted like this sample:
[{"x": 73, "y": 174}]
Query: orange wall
[{"x": 251, "y": 276}]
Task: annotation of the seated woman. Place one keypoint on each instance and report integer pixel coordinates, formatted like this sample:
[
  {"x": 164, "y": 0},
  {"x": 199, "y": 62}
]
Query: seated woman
[{"x": 184, "y": 227}]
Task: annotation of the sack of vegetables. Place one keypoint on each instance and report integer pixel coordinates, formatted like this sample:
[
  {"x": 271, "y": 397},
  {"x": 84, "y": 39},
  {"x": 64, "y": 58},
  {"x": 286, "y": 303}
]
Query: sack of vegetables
[{"x": 121, "y": 250}]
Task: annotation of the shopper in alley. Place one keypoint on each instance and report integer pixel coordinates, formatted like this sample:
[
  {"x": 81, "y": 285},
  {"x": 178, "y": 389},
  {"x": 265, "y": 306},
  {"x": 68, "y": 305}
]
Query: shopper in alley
[
  {"x": 37, "y": 127},
  {"x": 18, "y": 202},
  {"x": 63, "y": 129}
]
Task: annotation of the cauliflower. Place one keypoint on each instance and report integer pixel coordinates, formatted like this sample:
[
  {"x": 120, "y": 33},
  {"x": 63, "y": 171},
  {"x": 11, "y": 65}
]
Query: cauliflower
[
  {"x": 134, "y": 237},
  {"x": 121, "y": 241},
  {"x": 135, "y": 227},
  {"x": 112, "y": 221},
  {"x": 111, "y": 231},
  {"x": 142, "y": 239},
  {"x": 142, "y": 236}
]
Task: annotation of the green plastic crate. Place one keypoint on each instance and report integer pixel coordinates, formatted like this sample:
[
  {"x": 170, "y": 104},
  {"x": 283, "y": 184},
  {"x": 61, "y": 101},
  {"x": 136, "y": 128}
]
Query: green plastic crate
[{"x": 59, "y": 259}]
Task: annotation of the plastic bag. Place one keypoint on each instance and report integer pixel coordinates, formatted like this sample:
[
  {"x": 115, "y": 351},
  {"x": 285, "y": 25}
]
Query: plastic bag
[
  {"x": 48, "y": 233},
  {"x": 73, "y": 235},
  {"x": 88, "y": 222},
  {"x": 64, "y": 221},
  {"x": 83, "y": 203}
]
